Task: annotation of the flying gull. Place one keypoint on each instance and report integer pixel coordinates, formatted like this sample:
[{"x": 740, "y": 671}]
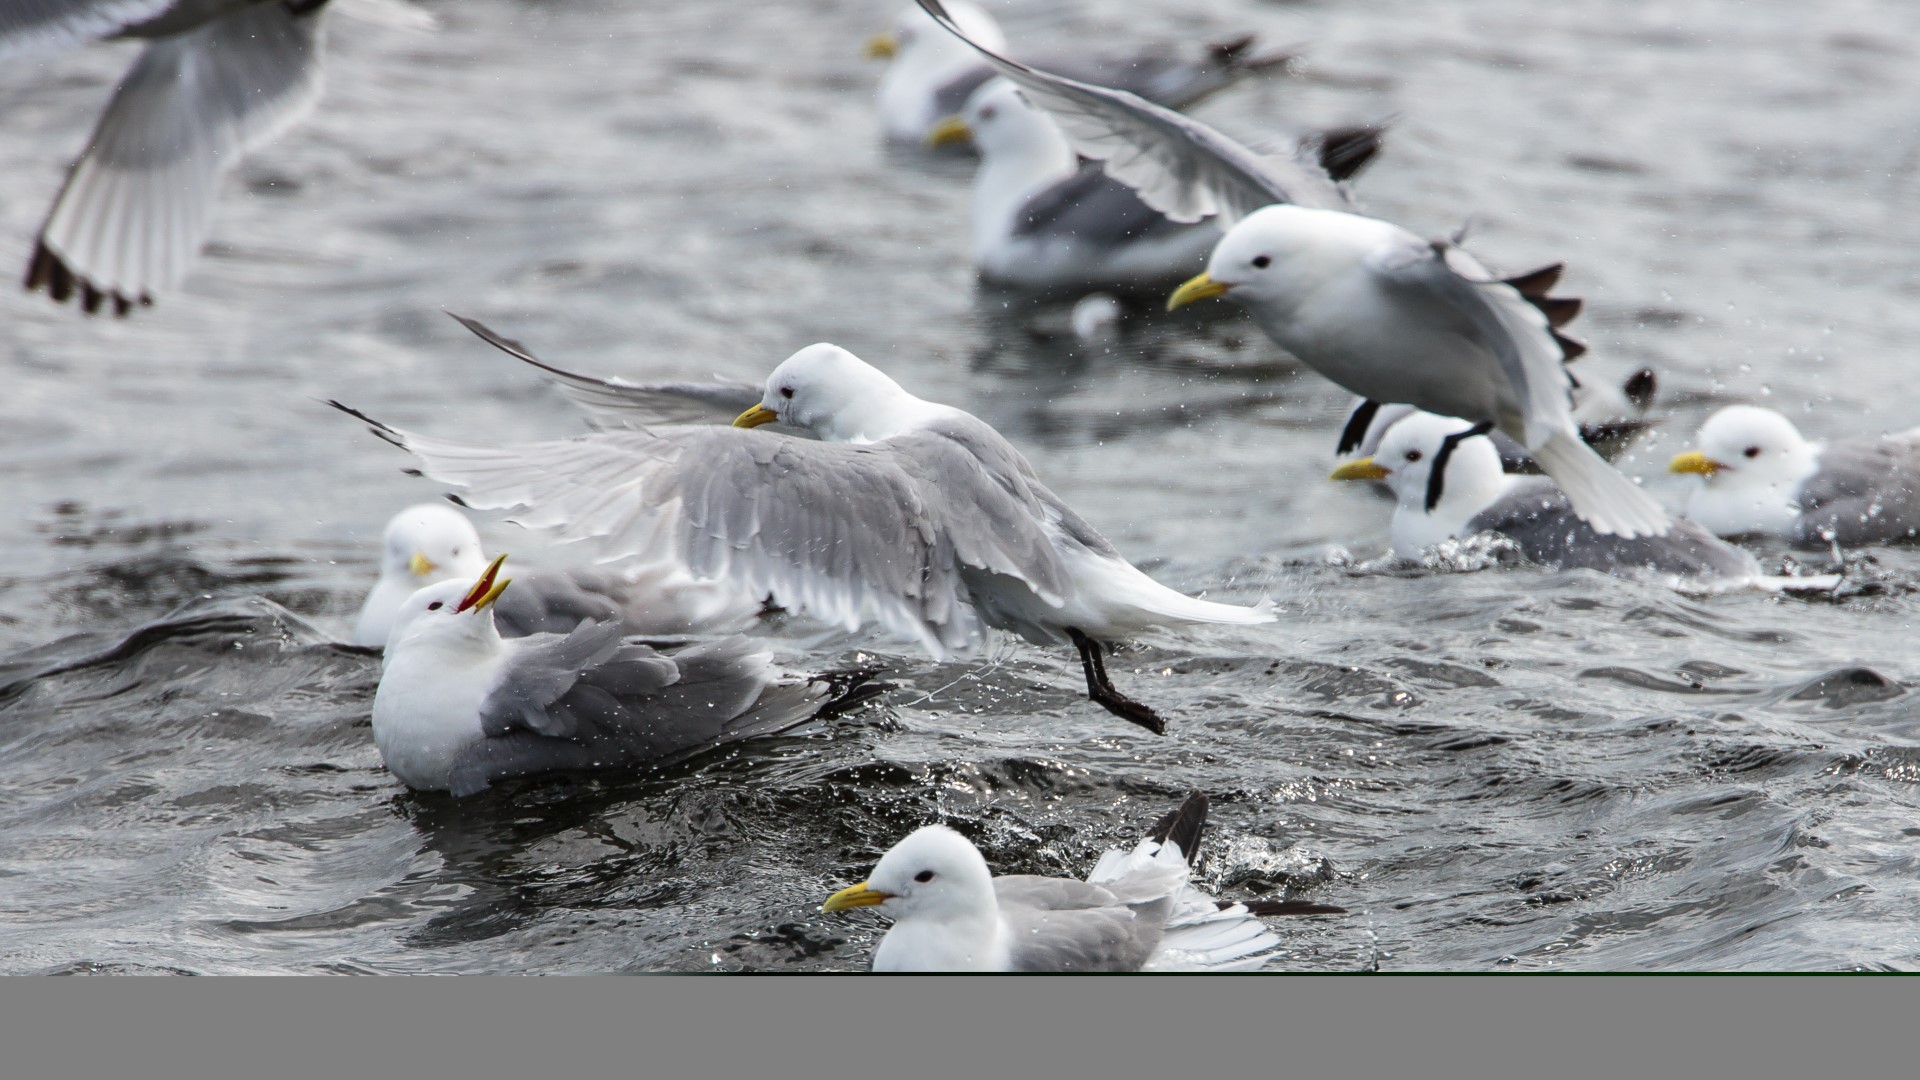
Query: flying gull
[
  {"x": 1476, "y": 496},
  {"x": 1388, "y": 315},
  {"x": 433, "y": 542},
  {"x": 1136, "y": 911},
  {"x": 1759, "y": 476},
  {"x": 216, "y": 78},
  {"x": 460, "y": 707},
  {"x": 1042, "y": 219},
  {"x": 911, "y": 514},
  {"x": 929, "y": 74}
]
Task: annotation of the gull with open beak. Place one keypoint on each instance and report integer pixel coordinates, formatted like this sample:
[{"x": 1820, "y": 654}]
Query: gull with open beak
[
  {"x": 892, "y": 509},
  {"x": 460, "y": 708},
  {"x": 1384, "y": 313},
  {"x": 433, "y": 542},
  {"x": 1760, "y": 476},
  {"x": 1136, "y": 911}
]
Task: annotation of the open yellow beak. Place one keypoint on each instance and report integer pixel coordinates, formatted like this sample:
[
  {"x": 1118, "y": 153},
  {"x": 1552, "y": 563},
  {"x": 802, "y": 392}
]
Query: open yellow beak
[
  {"x": 486, "y": 590},
  {"x": 1359, "y": 469},
  {"x": 421, "y": 566},
  {"x": 882, "y": 47},
  {"x": 855, "y": 896},
  {"x": 1695, "y": 462},
  {"x": 950, "y": 129},
  {"x": 1199, "y": 288},
  {"x": 756, "y": 416}
]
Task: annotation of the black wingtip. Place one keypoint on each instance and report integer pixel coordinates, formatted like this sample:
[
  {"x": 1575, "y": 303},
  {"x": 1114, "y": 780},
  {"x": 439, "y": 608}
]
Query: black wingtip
[
  {"x": 1640, "y": 388},
  {"x": 1358, "y": 422},
  {"x": 47, "y": 270},
  {"x": 1268, "y": 909},
  {"x": 1345, "y": 152},
  {"x": 373, "y": 425},
  {"x": 1183, "y": 826}
]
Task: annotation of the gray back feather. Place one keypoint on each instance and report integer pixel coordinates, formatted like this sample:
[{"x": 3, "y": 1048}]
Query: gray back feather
[
  {"x": 1059, "y": 924},
  {"x": 629, "y": 706},
  {"x": 1864, "y": 493},
  {"x": 1537, "y": 516}
]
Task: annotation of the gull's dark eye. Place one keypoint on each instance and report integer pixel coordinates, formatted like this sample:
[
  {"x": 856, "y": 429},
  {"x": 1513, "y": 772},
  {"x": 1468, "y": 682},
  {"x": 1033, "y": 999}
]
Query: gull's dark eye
[
  {"x": 1261, "y": 262},
  {"x": 456, "y": 552},
  {"x": 1413, "y": 455},
  {"x": 786, "y": 391},
  {"x": 1753, "y": 451},
  {"x": 987, "y": 113},
  {"x": 923, "y": 876},
  {"x": 435, "y": 606}
]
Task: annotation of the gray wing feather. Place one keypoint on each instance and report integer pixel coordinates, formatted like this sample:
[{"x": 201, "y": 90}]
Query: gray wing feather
[
  {"x": 539, "y": 672},
  {"x": 1180, "y": 166},
  {"x": 617, "y": 403},
  {"x": 555, "y": 602},
  {"x": 136, "y": 206},
  {"x": 1866, "y": 491},
  {"x": 635, "y": 707},
  {"x": 1491, "y": 316},
  {"x": 28, "y": 26},
  {"x": 844, "y": 532},
  {"x": 1057, "y": 924},
  {"x": 1537, "y": 516},
  {"x": 1093, "y": 207}
]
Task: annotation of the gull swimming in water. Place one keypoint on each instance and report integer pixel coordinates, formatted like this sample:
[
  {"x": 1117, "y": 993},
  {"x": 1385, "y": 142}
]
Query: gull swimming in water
[
  {"x": 1136, "y": 911},
  {"x": 1380, "y": 311},
  {"x": 433, "y": 542},
  {"x": 1759, "y": 476},
  {"x": 1476, "y": 496},
  {"x": 897, "y": 510},
  {"x": 1041, "y": 219},
  {"x": 460, "y": 707},
  {"x": 929, "y": 74}
]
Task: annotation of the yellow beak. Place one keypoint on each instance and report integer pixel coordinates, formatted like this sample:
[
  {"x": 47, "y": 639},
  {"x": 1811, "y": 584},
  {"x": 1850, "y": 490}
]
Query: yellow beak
[
  {"x": 882, "y": 47},
  {"x": 1199, "y": 288},
  {"x": 950, "y": 129},
  {"x": 486, "y": 590},
  {"x": 855, "y": 896},
  {"x": 1693, "y": 461},
  {"x": 421, "y": 566},
  {"x": 756, "y": 416},
  {"x": 1359, "y": 469}
]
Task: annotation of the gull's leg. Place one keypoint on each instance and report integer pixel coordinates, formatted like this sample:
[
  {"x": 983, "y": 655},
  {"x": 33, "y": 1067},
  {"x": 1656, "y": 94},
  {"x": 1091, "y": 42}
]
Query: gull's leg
[
  {"x": 1356, "y": 428},
  {"x": 1436, "y": 479},
  {"x": 1100, "y": 689}
]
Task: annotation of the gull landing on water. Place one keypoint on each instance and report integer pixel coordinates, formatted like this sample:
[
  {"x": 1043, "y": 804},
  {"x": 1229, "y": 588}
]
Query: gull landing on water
[
  {"x": 1376, "y": 309},
  {"x": 1136, "y": 911},
  {"x": 911, "y": 514}
]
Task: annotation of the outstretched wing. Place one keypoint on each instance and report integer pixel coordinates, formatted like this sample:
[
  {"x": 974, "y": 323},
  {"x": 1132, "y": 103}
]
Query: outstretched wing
[
  {"x": 1180, "y": 166},
  {"x": 136, "y": 206},
  {"x": 847, "y": 533},
  {"x": 617, "y": 403},
  {"x": 30, "y": 26}
]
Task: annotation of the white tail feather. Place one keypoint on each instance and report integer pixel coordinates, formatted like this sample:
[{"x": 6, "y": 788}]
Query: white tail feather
[{"x": 1602, "y": 496}]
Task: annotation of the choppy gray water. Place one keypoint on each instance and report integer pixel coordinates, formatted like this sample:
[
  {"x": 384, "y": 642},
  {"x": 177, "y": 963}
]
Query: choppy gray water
[{"x": 1510, "y": 768}]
